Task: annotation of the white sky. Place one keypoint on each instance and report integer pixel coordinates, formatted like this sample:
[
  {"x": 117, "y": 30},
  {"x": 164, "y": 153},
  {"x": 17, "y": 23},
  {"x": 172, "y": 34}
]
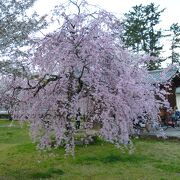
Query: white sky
[
  {"x": 119, "y": 7},
  {"x": 169, "y": 16}
]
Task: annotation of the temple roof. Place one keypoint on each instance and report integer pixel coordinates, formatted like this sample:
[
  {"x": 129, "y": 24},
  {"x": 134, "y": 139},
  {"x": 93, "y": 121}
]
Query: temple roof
[{"x": 163, "y": 75}]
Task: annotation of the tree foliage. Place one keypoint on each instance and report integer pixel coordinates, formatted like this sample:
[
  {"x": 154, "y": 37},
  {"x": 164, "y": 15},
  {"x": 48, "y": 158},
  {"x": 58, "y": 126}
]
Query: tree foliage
[
  {"x": 175, "y": 43},
  {"x": 141, "y": 33},
  {"x": 82, "y": 65},
  {"x": 15, "y": 30},
  {"x": 16, "y": 25}
]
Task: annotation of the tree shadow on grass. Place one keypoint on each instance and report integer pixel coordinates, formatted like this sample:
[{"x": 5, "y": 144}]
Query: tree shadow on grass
[
  {"x": 124, "y": 158},
  {"x": 33, "y": 174},
  {"x": 168, "y": 167},
  {"x": 111, "y": 158},
  {"x": 47, "y": 174}
]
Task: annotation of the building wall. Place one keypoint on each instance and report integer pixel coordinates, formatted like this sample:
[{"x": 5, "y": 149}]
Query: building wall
[
  {"x": 178, "y": 101},
  {"x": 172, "y": 96}
]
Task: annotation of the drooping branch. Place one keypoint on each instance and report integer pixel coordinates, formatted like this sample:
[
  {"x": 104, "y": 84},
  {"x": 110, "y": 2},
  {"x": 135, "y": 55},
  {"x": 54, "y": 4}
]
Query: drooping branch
[{"x": 90, "y": 73}]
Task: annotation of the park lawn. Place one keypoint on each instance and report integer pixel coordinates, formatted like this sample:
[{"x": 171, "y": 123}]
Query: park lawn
[{"x": 151, "y": 160}]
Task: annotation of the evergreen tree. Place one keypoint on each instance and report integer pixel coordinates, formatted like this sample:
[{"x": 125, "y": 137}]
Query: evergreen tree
[
  {"x": 175, "y": 43},
  {"x": 141, "y": 34},
  {"x": 134, "y": 26}
]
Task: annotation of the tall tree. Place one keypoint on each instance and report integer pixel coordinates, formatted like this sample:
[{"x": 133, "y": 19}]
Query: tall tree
[
  {"x": 15, "y": 30},
  {"x": 134, "y": 27},
  {"x": 16, "y": 25},
  {"x": 140, "y": 31},
  {"x": 175, "y": 43},
  {"x": 82, "y": 66}
]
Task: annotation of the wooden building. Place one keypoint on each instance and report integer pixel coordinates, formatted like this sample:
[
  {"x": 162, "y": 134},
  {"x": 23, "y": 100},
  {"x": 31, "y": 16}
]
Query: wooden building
[{"x": 164, "y": 77}]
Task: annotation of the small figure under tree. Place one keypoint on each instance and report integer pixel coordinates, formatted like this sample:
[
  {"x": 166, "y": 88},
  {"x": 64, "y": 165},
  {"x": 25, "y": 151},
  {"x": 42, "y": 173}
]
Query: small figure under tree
[{"x": 78, "y": 119}]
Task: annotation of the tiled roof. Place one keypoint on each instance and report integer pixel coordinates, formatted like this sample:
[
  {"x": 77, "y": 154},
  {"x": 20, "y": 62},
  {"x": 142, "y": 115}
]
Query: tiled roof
[{"x": 162, "y": 76}]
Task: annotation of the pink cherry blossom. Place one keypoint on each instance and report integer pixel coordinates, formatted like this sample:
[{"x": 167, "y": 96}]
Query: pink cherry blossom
[{"x": 82, "y": 65}]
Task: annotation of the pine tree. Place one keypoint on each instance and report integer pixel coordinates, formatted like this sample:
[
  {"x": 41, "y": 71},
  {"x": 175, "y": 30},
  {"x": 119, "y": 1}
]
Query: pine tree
[
  {"x": 175, "y": 43},
  {"x": 134, "y": 26},
  {"x": 141, "y": 34}
]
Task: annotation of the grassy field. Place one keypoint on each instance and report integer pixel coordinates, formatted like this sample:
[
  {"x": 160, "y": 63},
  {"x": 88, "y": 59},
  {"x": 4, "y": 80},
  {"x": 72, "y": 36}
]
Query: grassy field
[{"x": 152, "y": 160}]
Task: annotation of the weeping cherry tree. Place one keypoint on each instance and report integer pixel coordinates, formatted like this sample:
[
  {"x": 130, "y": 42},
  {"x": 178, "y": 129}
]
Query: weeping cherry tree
[{"x": 82, "y": 66}]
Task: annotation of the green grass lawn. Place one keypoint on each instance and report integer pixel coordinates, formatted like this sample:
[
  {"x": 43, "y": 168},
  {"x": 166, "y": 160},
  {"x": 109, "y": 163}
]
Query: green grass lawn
[{"x": 152, "y": 159}]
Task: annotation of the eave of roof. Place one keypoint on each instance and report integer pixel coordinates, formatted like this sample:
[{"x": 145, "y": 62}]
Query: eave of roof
[{"x": 162, "y": 76}]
